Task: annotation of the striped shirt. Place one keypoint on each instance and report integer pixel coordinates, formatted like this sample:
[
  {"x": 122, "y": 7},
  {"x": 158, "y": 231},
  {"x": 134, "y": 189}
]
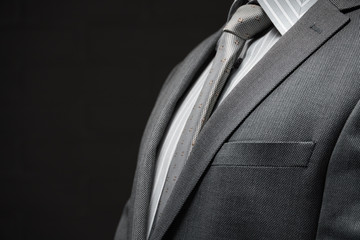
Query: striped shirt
[{"x": 283, "y": 14}]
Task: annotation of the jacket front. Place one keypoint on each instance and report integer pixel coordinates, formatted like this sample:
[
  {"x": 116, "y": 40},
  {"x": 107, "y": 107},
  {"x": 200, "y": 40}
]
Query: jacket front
[{"x": 280, "y": 157}]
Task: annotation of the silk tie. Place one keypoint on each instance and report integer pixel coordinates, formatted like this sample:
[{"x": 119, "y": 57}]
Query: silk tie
[{"x": 246, "y": 22}]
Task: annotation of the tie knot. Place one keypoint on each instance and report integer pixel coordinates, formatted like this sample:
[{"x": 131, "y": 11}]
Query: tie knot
[{"x": 247, "y": 21}]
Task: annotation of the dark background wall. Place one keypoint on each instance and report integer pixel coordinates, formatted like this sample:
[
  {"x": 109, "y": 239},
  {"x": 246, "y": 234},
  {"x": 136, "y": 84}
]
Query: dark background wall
[{"x": 78, "y": 80}]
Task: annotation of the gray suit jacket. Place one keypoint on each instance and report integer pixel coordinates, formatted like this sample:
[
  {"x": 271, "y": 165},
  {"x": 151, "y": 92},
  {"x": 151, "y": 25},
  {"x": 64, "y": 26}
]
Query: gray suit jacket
[{"x": 280, "y": 157}]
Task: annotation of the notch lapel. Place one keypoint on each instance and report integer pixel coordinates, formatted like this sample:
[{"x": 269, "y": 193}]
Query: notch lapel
[
  {"x": 319, "y": 24},
  {"x": 157, "y": 123}
]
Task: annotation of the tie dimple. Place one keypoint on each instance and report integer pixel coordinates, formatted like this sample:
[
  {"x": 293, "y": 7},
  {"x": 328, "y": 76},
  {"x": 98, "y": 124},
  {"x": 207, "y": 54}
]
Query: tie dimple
[{"x": 245, "y": 23}]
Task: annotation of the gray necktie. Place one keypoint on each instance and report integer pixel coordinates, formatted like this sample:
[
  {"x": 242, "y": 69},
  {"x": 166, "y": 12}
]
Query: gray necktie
[{"x": 246, "y": 22}]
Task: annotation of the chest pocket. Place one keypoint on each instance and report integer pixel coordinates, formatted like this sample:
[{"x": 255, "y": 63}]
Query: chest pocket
[{"x": 265, "y": 154}]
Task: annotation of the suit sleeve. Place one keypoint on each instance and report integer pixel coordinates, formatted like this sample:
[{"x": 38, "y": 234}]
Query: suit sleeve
[
  {"x": 340, "y": 211},
  {"x": 170, "y": 75},
  {"x": 121, "y": 230}
]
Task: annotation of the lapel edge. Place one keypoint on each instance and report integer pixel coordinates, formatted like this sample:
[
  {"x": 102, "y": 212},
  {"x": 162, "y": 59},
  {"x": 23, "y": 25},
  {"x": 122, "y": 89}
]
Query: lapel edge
[{"x": 343, "y": 5}]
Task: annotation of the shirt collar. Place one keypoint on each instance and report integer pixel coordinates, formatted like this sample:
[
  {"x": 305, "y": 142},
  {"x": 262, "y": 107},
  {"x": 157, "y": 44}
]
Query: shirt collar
[{"x": 282, "y": 13}]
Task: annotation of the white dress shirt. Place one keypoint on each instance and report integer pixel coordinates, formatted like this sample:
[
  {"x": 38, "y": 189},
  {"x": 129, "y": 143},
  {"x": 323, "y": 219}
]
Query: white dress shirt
[{"x": 283, "y": 14}]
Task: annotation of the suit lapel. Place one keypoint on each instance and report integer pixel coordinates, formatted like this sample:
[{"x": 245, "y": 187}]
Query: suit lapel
[
  {"x": 319, "y": 24},
  {"x": 156, "y": 126},
  {"x": 346, "y": 4}
]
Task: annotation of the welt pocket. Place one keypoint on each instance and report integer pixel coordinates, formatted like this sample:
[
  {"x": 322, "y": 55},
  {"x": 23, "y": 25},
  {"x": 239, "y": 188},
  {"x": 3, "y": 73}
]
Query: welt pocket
[{"x": 265, "y": 154}]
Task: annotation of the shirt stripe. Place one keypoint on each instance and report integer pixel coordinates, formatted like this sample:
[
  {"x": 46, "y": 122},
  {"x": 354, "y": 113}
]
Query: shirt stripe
[{"x": 284, "y": 14}]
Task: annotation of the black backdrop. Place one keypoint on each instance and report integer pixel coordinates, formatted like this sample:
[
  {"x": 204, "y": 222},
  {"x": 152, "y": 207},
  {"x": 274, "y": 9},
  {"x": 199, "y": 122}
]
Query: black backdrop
[{"x": 78, "y": 81}]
